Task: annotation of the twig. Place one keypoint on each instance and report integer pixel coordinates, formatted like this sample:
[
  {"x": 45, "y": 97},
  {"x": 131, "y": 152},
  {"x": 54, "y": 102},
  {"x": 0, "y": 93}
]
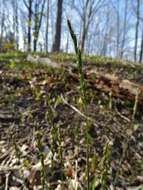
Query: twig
[
  {"x": 6, "y": 168},
  {"x": 21, "y": 182},
  {"x": 79, "y": 112},
  {"x": 2, "y": 157},
  {"x": 7, "y": 181},
  {"x": 122, "y": 116}
]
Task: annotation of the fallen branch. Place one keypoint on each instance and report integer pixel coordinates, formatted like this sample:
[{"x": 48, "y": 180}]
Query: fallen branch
[
  {"x": 78, "y": 111},
  {"x": 122, "y": 116},
  {"x": 123, "y": 89},
  {"x": 16, "y": 179},
  {"x": 7, "y": 181},
  {"x": 8, "y": 168},
  {"x": 43, "y": 60}
]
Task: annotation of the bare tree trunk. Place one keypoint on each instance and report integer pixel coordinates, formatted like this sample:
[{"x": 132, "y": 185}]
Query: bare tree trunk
[
  {"x": 105, "y": 40},
  {"x": 137, "y": 30},
  {"x": 17, "y": 26},
  {"x": 90, "y": 8},
  {"x": 15, "y": 23},
  {"x": 83, "y": 37},
  {"x": 47, "y": 26},
  {"x": 69, "y": 15},
  {"x": 57, "y": 38},
  {"x": 29, "y": 24},
  {"x": 141, "y": 49},
  {"x": 29, "y": 7},
  {"x": 67, "y": 43},
  {"x": 38, "y": 22},
  {"x": 118, "y": 29},
  {"x": 52, "y": 24},
  {"x": 85, "y": 25},
  {"x": 35, "y": 25},
  {"x": 2, "y": 28},
  {"x": 2, "y": 24},
  {"x": 124, "y": 28}
]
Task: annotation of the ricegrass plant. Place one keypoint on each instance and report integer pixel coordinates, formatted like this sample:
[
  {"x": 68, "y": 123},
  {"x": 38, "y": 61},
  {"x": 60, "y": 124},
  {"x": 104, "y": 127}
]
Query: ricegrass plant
[
  {"x": 79, "y": 65},
  {"x": 105, "y": 161},
  {"x": 52, "y": 139},
  {"x": 83, "y": 97},
  {"x": 41, "y": 154},
  {"x": 135, "y": 104},
  {"x": 60, "y": 146},
  {"x": 105, "y": 165}
]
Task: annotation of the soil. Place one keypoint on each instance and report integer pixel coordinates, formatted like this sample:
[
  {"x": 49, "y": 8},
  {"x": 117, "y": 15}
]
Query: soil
[{"x": 32, "y": 100}]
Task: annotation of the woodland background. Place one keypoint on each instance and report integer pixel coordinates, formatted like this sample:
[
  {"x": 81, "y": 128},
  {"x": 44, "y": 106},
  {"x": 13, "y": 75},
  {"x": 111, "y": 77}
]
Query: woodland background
[{"x": 111, "y": 28}]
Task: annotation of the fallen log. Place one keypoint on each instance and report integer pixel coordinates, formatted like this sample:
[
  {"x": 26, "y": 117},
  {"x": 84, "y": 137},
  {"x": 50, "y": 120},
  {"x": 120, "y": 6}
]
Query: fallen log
[
  {"x": 123, "y": 89},
  {"x": 42, "y": 60}
]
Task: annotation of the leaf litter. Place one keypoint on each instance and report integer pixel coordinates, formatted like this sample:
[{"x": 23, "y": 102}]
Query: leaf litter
[{"x": 41, "y": 99}]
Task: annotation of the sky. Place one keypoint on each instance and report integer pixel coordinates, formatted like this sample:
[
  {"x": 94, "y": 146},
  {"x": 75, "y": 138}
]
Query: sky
[{"x": 69, "y": 12}]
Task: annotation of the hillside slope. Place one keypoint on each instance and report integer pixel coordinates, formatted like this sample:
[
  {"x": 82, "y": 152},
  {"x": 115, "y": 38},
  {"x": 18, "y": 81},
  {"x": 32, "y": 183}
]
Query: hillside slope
[{"x": 41, "y": 112}]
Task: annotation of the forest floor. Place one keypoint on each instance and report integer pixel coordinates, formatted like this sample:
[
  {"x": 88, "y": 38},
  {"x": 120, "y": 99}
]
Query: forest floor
[{"x": 41, "y": 114}]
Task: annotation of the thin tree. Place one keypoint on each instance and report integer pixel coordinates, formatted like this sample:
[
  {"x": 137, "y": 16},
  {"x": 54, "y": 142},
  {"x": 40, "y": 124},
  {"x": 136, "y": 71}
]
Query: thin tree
[
  {"x": 87, "y": 11},
  {"x": 71, "y": 6},
  {"x": 106, "y": 29},
  {"x": 38, "y": 15},
  {"x": 137, "y": 30},
  {"x": 47, "y": 25},
  {"x": 57, "y": 38},
  {"x": 118, "y": 29},
  {"x": 15, "y": 22},
  {"x": 29, "y": 8},
  {"x": 141, "y": 49},
  {"x": 124, "y": 29},
  {"x": 2, "y": 25}
]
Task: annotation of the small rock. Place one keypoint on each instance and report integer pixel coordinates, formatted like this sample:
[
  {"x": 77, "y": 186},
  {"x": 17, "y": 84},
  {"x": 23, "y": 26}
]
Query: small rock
[{"x": 14, "y": 188}]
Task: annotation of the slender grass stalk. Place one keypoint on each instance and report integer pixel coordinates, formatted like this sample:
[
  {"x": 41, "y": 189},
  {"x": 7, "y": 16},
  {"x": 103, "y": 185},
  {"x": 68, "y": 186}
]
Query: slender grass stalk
[
  {"x": 60, "y": 145},
  {"x": 94, "y": 167},
  {"x": 83, "y": 95},
  {"x": 52, "y": 138},
  {"x": 17, "y": 151},
  {"x": 42, "y": 158},
  {"x": 135, "y": 104},
  {"x": 105, "y": 165},
  {"x": 110, "y": 100},
  {"x": 55, "y": 132},
  {"x": 50, "y": 117},
  {"x": 89, "y": 140},
  {"x": 80, "y": 65},
  {"x": 87, "y": 162},
  {"x": 60, "y": 153}
]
